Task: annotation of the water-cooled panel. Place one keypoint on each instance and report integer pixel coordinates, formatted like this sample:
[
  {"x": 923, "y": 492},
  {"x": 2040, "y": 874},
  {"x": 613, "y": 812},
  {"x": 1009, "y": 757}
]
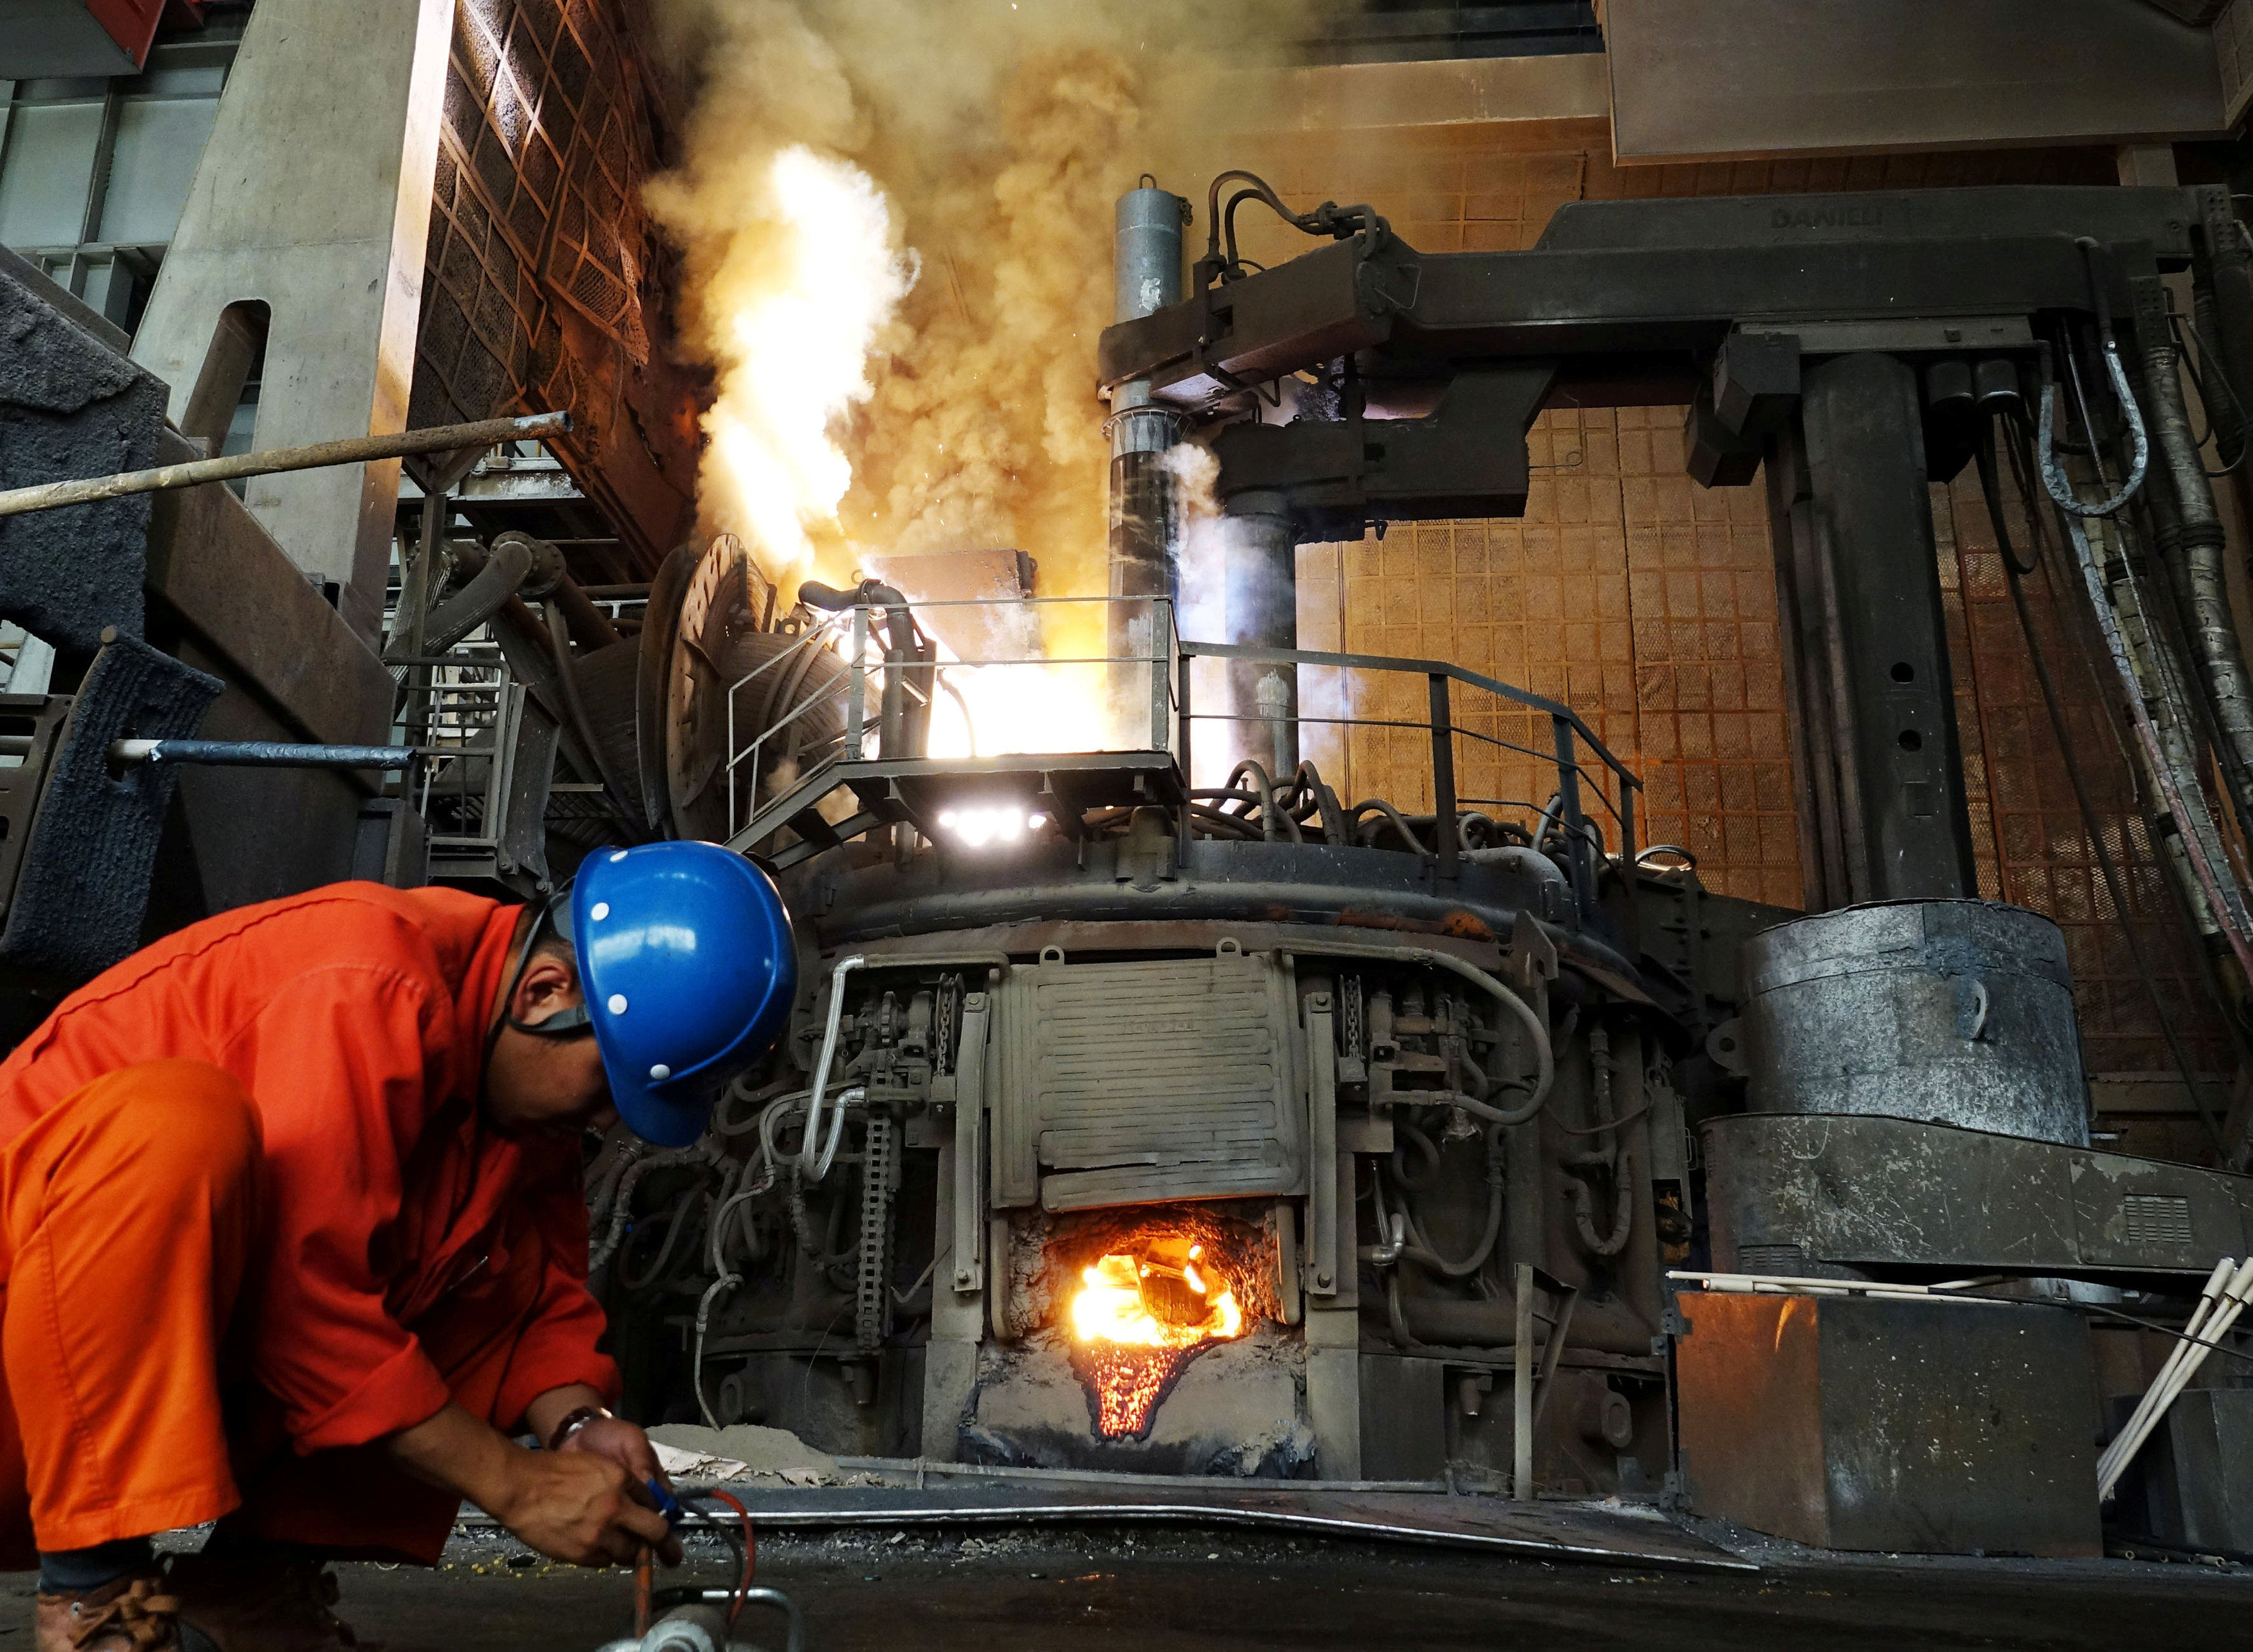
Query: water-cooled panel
[{"x": 1121, "y": 1082}]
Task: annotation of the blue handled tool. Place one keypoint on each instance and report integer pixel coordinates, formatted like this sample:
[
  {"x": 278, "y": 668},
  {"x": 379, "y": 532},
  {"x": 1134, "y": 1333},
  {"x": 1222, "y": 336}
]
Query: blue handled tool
[{"x": 667, "y": 1504}]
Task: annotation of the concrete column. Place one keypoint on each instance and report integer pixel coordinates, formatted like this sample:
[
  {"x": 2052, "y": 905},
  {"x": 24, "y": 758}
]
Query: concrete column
[{"x": 314, "y": 196}]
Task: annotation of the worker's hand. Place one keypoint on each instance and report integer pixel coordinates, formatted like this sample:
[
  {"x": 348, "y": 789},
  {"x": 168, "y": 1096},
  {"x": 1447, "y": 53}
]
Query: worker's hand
[
  {"x": 622, "y": 1442},
  {"x": 581, "y": 1508}
]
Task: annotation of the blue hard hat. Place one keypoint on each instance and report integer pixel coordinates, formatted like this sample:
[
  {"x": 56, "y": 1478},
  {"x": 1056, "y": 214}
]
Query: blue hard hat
[{"x": 687, "y": 966}]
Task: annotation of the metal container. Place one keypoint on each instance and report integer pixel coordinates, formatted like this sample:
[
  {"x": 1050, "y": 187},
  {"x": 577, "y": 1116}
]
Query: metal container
[
  {"x": 1950, "y": 1012},
  {"x": 1915, "y": 1427}
]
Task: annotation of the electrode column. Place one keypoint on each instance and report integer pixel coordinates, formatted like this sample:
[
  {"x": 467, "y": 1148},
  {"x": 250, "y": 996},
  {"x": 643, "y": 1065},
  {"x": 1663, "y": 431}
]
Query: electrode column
[
  {"x": 1263, "y": 611},
  {"x": 1145, "y": 535}
]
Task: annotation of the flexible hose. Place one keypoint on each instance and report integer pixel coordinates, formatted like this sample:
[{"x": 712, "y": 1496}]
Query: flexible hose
[
  {"x": 1584, "y": 1217},
  {"x": 1392, "y": 815},
  {"x": 655, "y": 1271},
  {"x": 1410, "y": 1136},
  {"x": 1620, "y": 1165},
  {"x": 1270, "y": 813},
  {"x": 815, "y": 1163},
  {"x": 599, "y": 1254},
  {"x": 725, "y": 1282},
  {"x": 1420, "y": 1249},
  {"x": 2053, "y": 478}
]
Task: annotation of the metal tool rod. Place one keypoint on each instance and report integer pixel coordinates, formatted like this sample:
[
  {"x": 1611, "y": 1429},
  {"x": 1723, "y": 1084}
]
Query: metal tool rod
[
  {"x": 1521, "y": 1392},
  {"x": 48, "y": 496},
  {"x": 1444, "y": 829},
  {"x": 261, "y": 754}
]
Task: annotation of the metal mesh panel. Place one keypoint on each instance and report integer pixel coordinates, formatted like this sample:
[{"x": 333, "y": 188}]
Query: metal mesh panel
[
  {"x": 1644, "y": 604},
  {"x": 535, "y": 284}
]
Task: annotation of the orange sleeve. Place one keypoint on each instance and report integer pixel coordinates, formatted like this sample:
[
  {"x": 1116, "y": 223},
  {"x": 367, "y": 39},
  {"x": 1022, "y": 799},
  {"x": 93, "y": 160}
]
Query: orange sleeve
[
  {"x": 560, "y": 1344},
  {"x": 337, "y": 1061}
]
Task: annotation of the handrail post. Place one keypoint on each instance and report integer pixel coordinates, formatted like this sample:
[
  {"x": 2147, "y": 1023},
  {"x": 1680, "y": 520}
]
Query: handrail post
[
  {"x": 1161, "y": 645},
  {"x": 1576, "y": 831},
  {"x": 1626, "y": 791},
  {"x": 856, "y": 703},
  {"x": 1181, "y": 755},
  {"x": 1445, "y": 830}
]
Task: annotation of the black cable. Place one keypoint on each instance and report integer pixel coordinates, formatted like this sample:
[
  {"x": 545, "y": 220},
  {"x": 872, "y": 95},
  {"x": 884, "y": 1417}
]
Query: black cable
[
  {"x": 2235, "y": 410},
  {"x": 1408, "y": 1136},
  {"x": 1991, "y": 486},
  {"x": 657, "y": 1270}
]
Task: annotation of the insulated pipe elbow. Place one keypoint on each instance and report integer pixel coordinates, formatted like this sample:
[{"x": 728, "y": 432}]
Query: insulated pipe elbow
[{"x": 508, "y": 564}]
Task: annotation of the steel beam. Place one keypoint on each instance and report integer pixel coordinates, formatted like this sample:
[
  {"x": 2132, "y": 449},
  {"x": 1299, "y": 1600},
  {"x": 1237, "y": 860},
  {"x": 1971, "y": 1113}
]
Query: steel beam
[{"x": 1879, "y": 764}]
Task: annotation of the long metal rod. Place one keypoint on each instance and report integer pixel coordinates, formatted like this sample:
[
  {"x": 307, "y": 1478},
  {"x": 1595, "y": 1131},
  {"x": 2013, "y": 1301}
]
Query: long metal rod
[
  {"x": 1444, "y": 827},
  {"x": 261, "y": 754},
  {"x": 48, "y": 496}
]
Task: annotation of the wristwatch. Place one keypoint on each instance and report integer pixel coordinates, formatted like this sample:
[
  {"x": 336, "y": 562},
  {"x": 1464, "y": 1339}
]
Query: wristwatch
[{"x": 572, "y": 1423}]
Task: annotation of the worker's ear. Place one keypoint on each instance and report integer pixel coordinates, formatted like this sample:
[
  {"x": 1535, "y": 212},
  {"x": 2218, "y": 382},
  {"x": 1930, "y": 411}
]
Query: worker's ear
[{"x": 550, "y": 982}]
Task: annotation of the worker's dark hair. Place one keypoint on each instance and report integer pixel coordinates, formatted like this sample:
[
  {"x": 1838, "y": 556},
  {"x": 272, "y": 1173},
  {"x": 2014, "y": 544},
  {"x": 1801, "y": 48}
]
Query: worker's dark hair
[{"x": 570, "y": 1023}]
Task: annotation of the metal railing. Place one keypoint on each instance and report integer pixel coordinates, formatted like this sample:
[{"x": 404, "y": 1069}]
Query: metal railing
[
  {"x": 1135, "y": 698},
  {"x": 1477, "y": 734},
  {"x": 461, "y": 786},
  {"x": 1610, "y": 785}
]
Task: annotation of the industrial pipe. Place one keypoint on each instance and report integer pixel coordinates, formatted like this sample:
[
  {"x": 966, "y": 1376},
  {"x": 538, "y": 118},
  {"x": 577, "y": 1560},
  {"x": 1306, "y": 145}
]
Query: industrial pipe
[
  {"x": 1145, "y": 535},
  {"x": 895, "y": 737},
  {"x": 2190, "y": 537},
  {"x": 258, "y": 754},
  {"x": 1260, "y": 568},
  {"x": 446, "y": 438},
  {"x": 506, "y": 568},
  {"x": 2231, "y": 279}
]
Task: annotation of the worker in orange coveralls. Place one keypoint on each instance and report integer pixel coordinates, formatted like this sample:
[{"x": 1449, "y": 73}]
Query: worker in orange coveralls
[{"x": 291, "y": 1236}]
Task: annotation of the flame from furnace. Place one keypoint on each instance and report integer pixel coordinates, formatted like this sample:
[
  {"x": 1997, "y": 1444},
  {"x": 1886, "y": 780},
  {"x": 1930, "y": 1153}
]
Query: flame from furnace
[{"x": 1141, "y": 1318}]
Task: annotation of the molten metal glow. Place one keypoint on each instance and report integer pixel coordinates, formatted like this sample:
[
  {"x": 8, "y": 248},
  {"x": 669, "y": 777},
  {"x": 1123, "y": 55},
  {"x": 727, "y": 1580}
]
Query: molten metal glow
[
  {"x": 978, "y": 828},
  {"x": 1140, "y": 1318},
  {"x": 1034, "y": 706}
]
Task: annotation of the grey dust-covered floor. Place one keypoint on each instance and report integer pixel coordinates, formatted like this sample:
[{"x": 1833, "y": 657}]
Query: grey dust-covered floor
[{"x": 1144, "y": 1588}]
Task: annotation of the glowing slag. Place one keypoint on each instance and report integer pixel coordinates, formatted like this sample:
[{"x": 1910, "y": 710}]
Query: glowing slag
[{"x": 1139, "y": 1317}]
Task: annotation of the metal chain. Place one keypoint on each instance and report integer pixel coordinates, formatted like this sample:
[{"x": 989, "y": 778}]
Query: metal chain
[{"x": 872, "y": 1300}]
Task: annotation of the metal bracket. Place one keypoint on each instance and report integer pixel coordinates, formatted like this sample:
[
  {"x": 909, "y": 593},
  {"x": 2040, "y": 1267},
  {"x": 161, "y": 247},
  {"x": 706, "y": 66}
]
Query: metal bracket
[
  {"x": 969, "y": 1145},
  {"x": 1530, "y": 1392},
  {"x": 1531, "y": 963},
  {"x": 1321, "y": 1261}
]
